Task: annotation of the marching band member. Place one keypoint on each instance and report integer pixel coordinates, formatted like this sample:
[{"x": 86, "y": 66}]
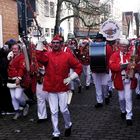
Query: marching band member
[
  {"x": 42, "y": 96},
  {"x": 137, "y": 69},
  {"x": 84, "y": 59},
  {"x": 114, "y": 45},
  {"x": 16, "y": 70},
  {"x": 56, "y": 80},
  {"x": 123, "y": 83},
  {"x": 72, "y": 48},
  {"x": 101, "y": 78}
]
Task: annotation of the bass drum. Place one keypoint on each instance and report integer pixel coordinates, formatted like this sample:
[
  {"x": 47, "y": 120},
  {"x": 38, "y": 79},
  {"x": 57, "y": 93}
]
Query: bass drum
[{"x": 97, "y": 53}]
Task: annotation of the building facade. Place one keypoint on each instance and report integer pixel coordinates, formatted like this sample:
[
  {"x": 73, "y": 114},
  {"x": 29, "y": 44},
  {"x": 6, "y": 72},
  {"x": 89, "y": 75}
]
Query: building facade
[
  {"x": 46, "y": 16},
  {"x": 8, "y": 20},
  {"x": 45, "y": 10}
]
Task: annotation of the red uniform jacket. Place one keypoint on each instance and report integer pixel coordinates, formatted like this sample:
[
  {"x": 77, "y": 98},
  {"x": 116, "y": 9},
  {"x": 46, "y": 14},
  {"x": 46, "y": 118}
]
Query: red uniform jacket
[
  {"x": 114, "y": 65},
  {"x": 138, "y": 59},
  {"x": 57, "y": 67},
  {"x": 16, "y": 67}
]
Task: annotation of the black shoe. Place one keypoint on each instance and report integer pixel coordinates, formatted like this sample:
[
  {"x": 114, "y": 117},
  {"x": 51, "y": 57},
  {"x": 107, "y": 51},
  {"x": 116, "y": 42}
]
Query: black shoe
[
  {"x": 87, "y": 87},
  {"x": 138, "y": 96},
  {"x": 55, "y": 138},
  {"x": 68, "y": 131},
  {"x": 110, "y": 93},
  {"x": 107, "y": 101},
  {"x": 123, "y": 115},
  {"x": 129, "y": 122},
  {"x": 73, "y": 91},
  {"x": 98, "y": 105},
  {"x": 79, "y": 89},
  {"x": 42, "y": 120}
]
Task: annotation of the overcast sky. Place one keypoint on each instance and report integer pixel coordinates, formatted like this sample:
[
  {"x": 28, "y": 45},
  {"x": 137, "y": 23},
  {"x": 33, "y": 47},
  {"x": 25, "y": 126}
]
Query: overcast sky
[{"x": 130, "y": 5}]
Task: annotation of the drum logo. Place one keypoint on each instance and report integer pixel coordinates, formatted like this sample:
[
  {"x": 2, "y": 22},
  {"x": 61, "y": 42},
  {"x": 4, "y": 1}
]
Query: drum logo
[{"x": 110, "y": 30}]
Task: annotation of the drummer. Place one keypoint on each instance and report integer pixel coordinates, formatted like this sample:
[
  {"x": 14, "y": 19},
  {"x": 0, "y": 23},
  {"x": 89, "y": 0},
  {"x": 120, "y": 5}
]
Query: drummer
[{"x": 101, "y": 78}]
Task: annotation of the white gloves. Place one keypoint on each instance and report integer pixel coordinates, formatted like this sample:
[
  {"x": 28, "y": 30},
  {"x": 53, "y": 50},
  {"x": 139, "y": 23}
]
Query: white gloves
[
  {"x": 67, "y": 81},
  {"x": 42, "y": 38},
  {"x": 10, "y": 55},
  {"x": 70, "y": 78},
  {"x": 39, "y": 46}
]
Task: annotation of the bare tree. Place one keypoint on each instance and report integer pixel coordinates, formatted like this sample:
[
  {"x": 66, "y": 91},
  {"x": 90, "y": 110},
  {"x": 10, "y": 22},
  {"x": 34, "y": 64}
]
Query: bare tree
[{"x": 89, "y": 11}]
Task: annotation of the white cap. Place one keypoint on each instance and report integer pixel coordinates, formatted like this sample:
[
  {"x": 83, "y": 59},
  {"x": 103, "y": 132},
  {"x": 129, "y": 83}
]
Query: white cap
[{"x": 124, "y": 41}]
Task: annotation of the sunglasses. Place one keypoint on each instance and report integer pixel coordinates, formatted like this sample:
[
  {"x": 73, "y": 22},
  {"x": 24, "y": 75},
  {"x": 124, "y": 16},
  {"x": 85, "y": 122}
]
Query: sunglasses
[
  {"x": 55, "y": 42},
  {"x": 73, "y": 43}
]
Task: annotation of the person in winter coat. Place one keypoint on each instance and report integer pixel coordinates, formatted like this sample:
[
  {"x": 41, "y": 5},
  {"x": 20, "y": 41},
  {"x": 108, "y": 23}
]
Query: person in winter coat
[
  {"x": 56, "y": 81},
  {"x": 5, "y": 97}
]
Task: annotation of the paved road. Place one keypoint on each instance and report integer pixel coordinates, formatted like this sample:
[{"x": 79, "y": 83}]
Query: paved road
[{"x": 88, "y": 123}]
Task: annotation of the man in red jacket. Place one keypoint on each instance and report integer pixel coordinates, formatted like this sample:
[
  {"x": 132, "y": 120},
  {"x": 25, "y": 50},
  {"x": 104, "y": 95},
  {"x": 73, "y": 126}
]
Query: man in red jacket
[
  {"x": 56, "y": 82},
  {"x": 118, "y": 64}
]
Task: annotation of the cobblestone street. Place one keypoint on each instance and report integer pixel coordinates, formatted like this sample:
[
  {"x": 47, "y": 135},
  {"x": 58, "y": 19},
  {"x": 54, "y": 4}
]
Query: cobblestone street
[{"x": 89, "y": 123}]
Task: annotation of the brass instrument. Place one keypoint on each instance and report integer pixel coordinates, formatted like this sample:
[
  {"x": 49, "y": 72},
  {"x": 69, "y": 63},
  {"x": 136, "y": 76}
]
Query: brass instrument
[{"x": 132, "y": 64}]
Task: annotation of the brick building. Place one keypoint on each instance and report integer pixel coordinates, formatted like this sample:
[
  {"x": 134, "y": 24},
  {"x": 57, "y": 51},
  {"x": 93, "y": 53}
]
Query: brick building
[{"x": 8, "y": 20}]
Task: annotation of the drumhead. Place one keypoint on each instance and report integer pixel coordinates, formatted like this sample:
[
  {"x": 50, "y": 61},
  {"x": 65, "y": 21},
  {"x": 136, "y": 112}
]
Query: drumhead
[
  {"x": 110, "y": 30},
  {"x": 97, "y": 53}
]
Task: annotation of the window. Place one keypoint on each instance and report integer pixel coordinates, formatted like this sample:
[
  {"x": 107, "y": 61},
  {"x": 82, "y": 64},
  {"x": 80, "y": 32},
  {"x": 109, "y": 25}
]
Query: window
[
  {"x": 52, "y": 33},
  {"x": 52, "y": 9},
  {"x": 46, "y": 8},
  {"x": 47, "y": 32}
]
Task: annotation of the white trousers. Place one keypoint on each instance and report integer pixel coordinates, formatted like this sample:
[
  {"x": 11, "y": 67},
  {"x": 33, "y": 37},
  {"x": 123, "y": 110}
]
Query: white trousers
[
  {"x": 18, "y": 98},
  {"x": 87, "y": 74},
  {"x": 125, "y": 100},
  {"x": 137, "y": 90},
  {"x": 101, "y": 86},
  {"x": 42, "y": 97},
  {"x": 57, "y": 100},
  {"x": 110, "y": 82}
]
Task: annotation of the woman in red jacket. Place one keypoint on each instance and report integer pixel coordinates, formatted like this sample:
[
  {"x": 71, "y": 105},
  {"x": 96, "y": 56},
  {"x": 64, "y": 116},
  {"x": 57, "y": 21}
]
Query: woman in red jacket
[
  {"x": 118, "y": 64},
  {"x": 16, "y": 69}
]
